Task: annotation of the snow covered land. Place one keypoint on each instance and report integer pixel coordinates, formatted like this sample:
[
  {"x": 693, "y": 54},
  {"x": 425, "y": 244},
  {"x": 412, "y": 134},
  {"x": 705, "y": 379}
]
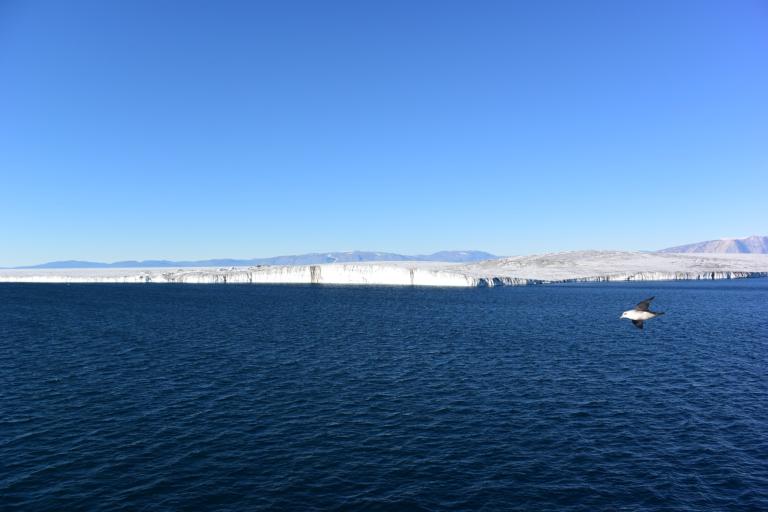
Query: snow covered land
[{"x": 580, "y": 266}]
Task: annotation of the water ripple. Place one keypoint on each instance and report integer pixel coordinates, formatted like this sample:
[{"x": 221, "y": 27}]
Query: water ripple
[{"x": 119, "y": 397}]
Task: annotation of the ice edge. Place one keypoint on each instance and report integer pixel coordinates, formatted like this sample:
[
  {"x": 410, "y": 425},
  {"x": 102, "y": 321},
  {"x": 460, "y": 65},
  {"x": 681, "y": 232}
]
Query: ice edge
[{"x": 360, "y": 274}]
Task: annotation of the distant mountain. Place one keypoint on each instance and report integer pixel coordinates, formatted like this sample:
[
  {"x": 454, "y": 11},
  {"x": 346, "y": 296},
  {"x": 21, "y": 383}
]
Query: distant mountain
[
  {"x": 299, "y": 259},
  {"x": 749, "y": 245}
]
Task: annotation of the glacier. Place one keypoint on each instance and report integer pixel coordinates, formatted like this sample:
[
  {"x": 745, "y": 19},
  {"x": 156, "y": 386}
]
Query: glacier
[{"x": 575, "y": 266}]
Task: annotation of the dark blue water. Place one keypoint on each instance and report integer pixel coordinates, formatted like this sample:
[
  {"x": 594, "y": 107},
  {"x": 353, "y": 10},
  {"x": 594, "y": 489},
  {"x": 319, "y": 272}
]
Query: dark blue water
[{"x": 163, "y": 397}]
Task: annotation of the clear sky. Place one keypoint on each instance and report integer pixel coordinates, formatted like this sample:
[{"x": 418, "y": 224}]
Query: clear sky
[{"x": 197, "y": 129}]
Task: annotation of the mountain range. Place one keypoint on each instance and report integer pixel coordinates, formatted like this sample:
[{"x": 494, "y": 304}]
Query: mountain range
[
  {"x": 298, "y": 259},
  {"x": 749, "y": 245}
]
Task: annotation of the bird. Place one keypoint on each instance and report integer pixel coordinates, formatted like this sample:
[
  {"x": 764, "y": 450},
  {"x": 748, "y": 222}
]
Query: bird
[{"x": 641, "y": 313}]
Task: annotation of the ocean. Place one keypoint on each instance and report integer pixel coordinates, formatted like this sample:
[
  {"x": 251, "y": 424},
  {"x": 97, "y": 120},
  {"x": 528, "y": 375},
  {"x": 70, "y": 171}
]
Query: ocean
[{"x": 300, "y": 398}]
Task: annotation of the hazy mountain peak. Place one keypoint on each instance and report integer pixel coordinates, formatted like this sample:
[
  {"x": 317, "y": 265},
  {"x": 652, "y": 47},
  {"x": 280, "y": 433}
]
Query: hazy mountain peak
[
  {"x": 297, "y": 259},
  {"x": 750, "y": 245}
]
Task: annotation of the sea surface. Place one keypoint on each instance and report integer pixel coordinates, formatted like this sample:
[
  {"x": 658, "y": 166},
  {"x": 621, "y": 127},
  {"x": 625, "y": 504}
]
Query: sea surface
[{"x": 300, "y": 398}]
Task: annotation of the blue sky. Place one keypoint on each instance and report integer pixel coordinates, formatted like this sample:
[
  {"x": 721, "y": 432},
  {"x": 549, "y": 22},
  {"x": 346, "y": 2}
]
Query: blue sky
[{"x": 197, "y": 129}]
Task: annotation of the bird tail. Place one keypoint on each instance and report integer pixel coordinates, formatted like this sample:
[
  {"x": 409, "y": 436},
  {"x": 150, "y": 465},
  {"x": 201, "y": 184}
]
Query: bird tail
[{"x": 659, "y": 313}]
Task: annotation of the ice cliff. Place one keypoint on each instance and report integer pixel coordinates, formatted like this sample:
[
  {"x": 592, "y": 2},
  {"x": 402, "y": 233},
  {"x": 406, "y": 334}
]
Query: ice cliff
[{"x": 581, "y": 266}]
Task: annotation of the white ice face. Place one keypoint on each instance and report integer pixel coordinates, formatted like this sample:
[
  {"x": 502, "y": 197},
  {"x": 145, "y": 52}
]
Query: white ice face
[{"x": 520, "y": 270}]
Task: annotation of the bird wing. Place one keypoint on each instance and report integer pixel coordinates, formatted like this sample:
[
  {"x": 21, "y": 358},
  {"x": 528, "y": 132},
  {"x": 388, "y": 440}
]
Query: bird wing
[
  {"x": 638, "y": 323},
  {"x": 644, "y": 305}
]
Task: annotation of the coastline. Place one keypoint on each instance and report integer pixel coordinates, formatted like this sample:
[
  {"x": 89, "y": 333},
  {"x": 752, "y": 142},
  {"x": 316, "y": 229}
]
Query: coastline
[{"x": 580, "y": 266}]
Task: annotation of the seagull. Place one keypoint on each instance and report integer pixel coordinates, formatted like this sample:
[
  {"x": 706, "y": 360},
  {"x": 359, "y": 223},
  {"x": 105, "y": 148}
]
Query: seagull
[{"x": 641, "y": 313}]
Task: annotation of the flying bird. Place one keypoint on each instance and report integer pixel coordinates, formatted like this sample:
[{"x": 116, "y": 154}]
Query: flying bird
[{"x": 641, "y": 313}]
